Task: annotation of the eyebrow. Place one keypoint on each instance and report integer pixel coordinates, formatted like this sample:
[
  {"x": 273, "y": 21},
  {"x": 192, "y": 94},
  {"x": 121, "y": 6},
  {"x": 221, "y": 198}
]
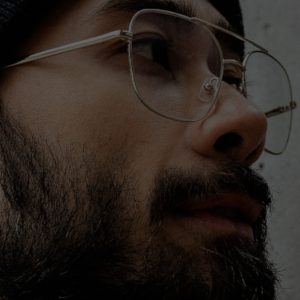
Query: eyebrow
[
  {"x": 181, "y": 7},
  {"x": 134, "y": 5}
]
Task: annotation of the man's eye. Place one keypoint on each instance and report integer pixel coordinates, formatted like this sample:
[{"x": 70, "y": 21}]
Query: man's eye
[
  {"x": 233, "y": 80},
  {"x": 154, "y": 49}
]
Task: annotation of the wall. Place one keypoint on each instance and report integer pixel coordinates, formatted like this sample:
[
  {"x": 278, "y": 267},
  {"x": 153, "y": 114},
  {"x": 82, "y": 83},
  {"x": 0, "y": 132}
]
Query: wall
[{"x": 276, "y": 25}]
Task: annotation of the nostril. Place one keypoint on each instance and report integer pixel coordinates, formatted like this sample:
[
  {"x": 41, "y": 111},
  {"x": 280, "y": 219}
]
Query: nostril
[{"x": 228, "y": 142}]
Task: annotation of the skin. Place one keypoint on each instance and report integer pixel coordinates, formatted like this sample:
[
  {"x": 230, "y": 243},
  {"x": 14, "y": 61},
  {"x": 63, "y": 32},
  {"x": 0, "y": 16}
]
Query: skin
[
  {"x": 76, "y": 106},
  {"x": 82, "y": 106}
]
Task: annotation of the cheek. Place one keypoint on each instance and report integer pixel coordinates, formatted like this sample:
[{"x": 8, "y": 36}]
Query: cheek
[
  {"x": 99, "y": 112},
  {"x": 79, "y": 107},
  {"x": 72, "y": 103},
  {"x": 85, "y": 105}
]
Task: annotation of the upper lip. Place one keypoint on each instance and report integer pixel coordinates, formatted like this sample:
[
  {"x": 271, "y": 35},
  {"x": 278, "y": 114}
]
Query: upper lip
[{"x": 241, "y": 206}]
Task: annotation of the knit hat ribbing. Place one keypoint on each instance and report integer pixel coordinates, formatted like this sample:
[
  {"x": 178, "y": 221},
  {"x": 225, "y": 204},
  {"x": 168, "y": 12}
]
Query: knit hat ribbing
[{"x": 17, "y": 20}]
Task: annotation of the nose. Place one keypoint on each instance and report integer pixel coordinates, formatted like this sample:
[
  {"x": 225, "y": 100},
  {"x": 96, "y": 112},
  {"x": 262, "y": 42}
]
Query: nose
[{"x": 235, "y": 129}]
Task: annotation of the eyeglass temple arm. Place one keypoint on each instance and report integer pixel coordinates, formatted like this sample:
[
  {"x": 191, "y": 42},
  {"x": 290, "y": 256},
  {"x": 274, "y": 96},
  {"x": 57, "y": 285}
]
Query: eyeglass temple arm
[
  {"x": 274, "y": 112},
  {"x": 124, "y": 34},
  {"x": 281, "y": 109},
  {"x": 72, "y": 46}
]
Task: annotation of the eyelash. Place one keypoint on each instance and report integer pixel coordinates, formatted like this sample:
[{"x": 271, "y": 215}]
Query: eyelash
[
  {"x": 122, "y": 47},
  {"x": 153, "y": 48}
]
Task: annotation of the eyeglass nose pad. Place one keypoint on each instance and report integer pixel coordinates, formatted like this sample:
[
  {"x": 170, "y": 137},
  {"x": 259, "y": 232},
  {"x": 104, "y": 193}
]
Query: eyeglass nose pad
[{"x": 208, "y": 89}]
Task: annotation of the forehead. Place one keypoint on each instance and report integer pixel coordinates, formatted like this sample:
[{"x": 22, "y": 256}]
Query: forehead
[
  {"x": 84, "y": 18},
  {"x": 112, "y": 9},
  {"x": 192, "y": 8}
]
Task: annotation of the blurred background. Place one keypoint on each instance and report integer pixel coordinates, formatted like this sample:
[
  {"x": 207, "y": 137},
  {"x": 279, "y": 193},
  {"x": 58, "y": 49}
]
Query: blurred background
[{"x": 275, "y": 24}]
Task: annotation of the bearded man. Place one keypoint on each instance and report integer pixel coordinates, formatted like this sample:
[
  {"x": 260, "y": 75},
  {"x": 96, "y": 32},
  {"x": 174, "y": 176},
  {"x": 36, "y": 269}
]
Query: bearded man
[{"x": 128, "y": 132}]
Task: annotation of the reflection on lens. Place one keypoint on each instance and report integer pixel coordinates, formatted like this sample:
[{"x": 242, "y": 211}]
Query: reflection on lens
[
  {"x": 268, "y": 87},
  {"x": 175, "y": 64}
]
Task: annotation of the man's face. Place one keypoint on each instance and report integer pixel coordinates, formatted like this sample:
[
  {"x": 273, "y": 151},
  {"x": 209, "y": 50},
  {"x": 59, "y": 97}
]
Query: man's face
[{"x": 100, "y": 195}]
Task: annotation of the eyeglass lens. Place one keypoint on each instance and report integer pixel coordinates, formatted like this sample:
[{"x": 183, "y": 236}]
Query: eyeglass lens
[
  {"x": 268, "y": 86},
  {"x": 176, "y": 66}
]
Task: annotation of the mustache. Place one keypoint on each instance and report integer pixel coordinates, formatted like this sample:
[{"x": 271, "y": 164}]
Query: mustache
[{"x": 174, "y": 187}]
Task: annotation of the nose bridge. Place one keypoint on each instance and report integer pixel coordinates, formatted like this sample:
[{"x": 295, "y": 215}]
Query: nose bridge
[{"x": 235, "y": 129}]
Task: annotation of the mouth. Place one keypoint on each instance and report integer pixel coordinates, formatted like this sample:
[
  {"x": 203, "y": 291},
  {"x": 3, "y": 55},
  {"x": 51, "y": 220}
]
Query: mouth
[{"x": 228, "y": 214}]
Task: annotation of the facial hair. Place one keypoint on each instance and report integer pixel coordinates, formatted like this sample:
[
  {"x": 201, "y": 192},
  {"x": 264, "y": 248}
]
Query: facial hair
[{"x": 67, "y": 231}]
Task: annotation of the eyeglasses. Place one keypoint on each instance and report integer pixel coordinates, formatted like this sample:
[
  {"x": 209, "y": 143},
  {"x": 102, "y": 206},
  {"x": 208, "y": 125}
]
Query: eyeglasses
[{"x": 179, "y": 66}]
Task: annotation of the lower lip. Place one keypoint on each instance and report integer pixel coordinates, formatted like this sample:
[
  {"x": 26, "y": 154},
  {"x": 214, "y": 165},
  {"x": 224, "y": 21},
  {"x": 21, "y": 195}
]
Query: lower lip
[{"x": 216, "y": 225}]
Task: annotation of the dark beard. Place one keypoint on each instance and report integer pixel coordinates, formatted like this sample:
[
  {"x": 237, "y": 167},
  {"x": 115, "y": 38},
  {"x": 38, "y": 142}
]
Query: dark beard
[
  {"x": 238, "y": 268},
  {"x": 69, "y": 237}
]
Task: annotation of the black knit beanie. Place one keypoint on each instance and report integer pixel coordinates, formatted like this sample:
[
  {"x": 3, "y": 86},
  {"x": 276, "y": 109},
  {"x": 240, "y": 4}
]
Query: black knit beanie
[{"x": 18, "y": 18}]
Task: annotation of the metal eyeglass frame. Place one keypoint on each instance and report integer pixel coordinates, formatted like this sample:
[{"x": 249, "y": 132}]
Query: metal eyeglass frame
[{"x": 128, "y": 35}]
